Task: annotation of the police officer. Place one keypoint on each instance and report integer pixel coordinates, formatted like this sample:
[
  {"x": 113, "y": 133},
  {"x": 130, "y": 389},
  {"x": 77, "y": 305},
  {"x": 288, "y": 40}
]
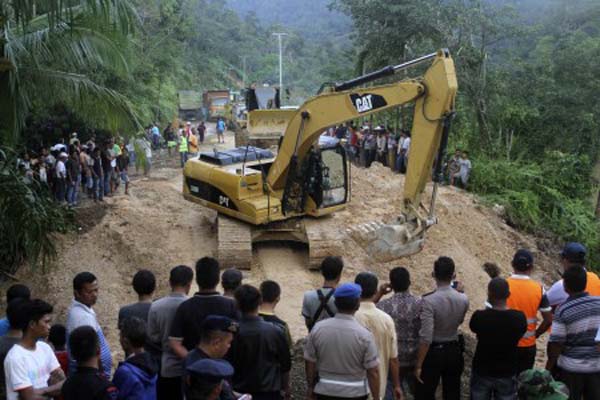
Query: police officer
[
  {"x": 440, "y": 353},
  {"x": 205, "y": 379},
  {"x": 342, "y": 353},
  {"x": 87, "y": 382}
]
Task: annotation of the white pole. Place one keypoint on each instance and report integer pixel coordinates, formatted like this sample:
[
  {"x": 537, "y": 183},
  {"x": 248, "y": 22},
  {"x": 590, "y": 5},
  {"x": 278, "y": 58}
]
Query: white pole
[{"x": 279, "y": 35}]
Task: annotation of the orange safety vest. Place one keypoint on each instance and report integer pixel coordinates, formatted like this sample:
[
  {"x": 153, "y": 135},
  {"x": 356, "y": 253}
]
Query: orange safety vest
[
  {"x": 526, "y": 296},
  {"x": 593, "y": 284}
]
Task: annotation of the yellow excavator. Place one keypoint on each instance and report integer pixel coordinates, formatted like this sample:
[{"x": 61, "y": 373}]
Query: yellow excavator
[{"x": 263, "y": 197}]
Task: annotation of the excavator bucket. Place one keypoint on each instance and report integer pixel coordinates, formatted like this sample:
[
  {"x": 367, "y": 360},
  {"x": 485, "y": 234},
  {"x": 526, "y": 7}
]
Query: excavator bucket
[
  {"x": 268, "y": 124},
  {"x": 388, "y": 242}
]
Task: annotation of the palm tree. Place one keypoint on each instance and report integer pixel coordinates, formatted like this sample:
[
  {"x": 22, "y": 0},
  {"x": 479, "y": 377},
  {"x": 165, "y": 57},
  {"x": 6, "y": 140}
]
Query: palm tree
[{"x": 49, "y": 48}]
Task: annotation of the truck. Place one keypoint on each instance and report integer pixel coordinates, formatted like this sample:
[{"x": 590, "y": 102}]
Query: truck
[
  {"x": 216, "y": 103},
  {"x": 190, "y": 105}
]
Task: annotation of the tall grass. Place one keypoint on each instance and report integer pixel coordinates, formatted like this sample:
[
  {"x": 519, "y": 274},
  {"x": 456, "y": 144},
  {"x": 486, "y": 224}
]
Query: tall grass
[
  {"x": 551, "y": 196},
  {"x": 29, "y": 218}
]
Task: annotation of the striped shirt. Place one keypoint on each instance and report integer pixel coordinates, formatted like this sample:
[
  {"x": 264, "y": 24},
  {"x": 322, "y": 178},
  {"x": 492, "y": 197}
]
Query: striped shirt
[
  {"x": 82, "y": 315},
  {"x": 575, "y": 325}
]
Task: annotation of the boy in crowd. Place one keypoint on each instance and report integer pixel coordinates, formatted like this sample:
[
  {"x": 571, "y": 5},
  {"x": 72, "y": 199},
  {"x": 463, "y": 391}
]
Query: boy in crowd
[
  {"x": 87, "y": 382},
  {"x": 144, "y": 284},
  {"x": 160, "y": 319},
  {"x": 231, "y": 279},
  {"x": 30, "y": 367},
  {"x": 259, "y": 354},
  {"x": 498, "y": 330},
  {"x": 16, "y": 291},
  {"x": 58, "y": 340},
  {"x": 271, "y": 294},
  {"x": 318, "y": 304},
  {"x": 135, "y": 378}
]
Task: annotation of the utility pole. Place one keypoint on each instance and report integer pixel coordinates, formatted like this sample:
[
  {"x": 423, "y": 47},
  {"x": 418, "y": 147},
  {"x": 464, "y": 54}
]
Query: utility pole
[
  {"x": 279, "y": 36},
  {"x": 244, "y": 72}
]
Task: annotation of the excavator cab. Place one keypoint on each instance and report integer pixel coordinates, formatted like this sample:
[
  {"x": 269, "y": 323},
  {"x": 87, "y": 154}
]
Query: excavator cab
[{"x": 331, "y": 177}]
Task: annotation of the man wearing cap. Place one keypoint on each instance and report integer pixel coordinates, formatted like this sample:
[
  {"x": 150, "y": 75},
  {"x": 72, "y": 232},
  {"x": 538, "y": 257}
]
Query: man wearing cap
[
  {"x": 572, "y": 255},
  {"x": 440, "y": 353},
  {"x": 215, "y": 341},
  {"x": 527, "y": 296},
  {"x": 342, "y": 353},
  {"x": 571, "y": 346},
  {"x": 205, "y": 379}
]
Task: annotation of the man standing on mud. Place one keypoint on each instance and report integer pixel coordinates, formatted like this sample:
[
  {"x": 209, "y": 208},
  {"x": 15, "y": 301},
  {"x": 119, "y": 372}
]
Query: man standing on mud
[{"x": 85, "y": 290}]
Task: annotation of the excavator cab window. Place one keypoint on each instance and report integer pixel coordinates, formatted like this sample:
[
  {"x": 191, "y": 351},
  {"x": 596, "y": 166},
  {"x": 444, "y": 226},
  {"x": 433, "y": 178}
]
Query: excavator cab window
[{"x": 334, "y": 177}]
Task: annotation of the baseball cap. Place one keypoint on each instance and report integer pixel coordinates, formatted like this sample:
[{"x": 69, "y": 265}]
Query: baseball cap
[
  {"x": 210, "y": 370},
  {"x": 63, "y": 154},
  {"x": 574, "y": 252},
  {"x": 231, "y": 276},
  {"x": 522, "y": 259},
  {"x": 219, "y": 323},
  {"x": 348, "y": 290}
]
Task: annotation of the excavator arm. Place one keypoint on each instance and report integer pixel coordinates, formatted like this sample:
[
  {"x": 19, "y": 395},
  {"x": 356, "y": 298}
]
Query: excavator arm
[{"x": 434, "y": 96}]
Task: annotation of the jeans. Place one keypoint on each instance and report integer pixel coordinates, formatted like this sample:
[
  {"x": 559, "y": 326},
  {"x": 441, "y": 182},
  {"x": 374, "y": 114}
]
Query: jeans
[
  {"x": 73, "y": 191},
  {"x": 489, "y": 388},
  {"x": 183, "y": 157},
  {"x": 444, "y": 361},
  {"x": 98, "y": 188},
  {"x": 106, "y": 184}
]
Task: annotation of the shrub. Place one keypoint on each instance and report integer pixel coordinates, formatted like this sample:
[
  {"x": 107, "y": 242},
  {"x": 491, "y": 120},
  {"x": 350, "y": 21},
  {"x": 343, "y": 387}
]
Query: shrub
[{"x": 28, "y": 218}]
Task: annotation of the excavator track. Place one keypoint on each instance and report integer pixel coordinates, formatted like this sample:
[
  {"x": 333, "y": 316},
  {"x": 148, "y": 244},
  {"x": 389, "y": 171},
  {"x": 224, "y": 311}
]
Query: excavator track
[
  {"x": 323, "y": 240},
  {"x": 234, "y": 238}
]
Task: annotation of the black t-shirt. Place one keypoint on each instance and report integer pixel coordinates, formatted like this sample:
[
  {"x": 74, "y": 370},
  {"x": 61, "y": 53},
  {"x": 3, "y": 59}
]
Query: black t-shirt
[
  {"x": 498, "y": 333},
  {"x": 190, "y": 314},
  {"x": 88, "y": 383}
]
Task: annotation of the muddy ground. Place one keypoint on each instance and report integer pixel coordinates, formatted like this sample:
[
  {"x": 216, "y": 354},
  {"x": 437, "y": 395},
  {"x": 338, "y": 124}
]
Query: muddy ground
[{"x": 154, "y": 228}]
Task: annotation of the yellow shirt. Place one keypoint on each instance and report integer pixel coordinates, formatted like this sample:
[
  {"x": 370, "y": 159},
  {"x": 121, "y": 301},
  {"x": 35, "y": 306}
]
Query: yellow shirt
[
  {"x": 381, "y": 325},
  {"x": 193, "y": 143}
]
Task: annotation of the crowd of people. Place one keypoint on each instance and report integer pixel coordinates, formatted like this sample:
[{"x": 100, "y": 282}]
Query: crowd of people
[
  {"x": 73, "y": 170},
  {"x": 382, "y": 144},
  {"x": 364, "y": 338}
]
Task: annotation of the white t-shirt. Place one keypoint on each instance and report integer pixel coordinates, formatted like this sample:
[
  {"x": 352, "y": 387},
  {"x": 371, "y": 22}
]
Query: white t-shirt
[
  {"x": 25, "y": 368},
  {"x": 61, "y": 170},
  {"x": 406, "y": 146},
  {"x": 465, "y": 169}
]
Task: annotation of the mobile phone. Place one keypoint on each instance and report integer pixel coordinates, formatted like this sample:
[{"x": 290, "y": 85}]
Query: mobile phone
[{"x": 454, "y": 284}]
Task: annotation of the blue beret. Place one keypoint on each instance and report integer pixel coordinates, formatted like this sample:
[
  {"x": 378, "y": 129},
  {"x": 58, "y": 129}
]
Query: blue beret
[
  {"x": 219, "y": 323},
  {"x": 351, "y": 290},
  {"x": 574, "y": 252},
  {"x": 210, "y": 370}
]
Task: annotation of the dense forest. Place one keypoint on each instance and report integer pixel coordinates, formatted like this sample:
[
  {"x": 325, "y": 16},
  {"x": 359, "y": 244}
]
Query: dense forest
[{"x": 529, "y": 74}]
